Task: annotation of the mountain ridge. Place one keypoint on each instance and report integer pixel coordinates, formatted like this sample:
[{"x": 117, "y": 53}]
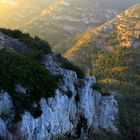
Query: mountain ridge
[
  {"x": 112, "y": 53},
  {"x": 85, "y": 37},
  {"x": 43, "y": 13}
]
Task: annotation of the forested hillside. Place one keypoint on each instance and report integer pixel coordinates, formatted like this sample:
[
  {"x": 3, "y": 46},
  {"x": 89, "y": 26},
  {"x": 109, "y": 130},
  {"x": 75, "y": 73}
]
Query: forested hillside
[{"x": 112, "y": 51}]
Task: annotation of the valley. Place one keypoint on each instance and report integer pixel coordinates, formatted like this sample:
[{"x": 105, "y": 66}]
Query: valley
[{"x": 111, "y": 51}]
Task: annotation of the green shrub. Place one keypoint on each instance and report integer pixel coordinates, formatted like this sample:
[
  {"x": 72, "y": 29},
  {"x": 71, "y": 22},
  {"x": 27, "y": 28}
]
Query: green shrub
[
  {"x": 68, "y": 65},
  {"x": 19, "y": 69},
  {"x": 96, "y": 86},
  {"x": 39, "y": 48},
  {"x": 26, "y": 69},
  {"x": 103, "y": 91},
  {"x": 72, "y": 67}
]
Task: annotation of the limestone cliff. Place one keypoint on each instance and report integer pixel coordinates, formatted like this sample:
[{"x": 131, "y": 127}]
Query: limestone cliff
[
  {"x": 75, "y": 110},
  {"x": 86, "y": 109}
]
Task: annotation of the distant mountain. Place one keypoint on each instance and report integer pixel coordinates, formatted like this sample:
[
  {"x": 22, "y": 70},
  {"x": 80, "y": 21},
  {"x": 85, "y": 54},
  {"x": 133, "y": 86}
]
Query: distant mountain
[
  {"x": 112, "y": 50},
  {"x": 59, "y": 21},
  {"x": 119, "y": 31},
  {"x": 73, "y": 17}
]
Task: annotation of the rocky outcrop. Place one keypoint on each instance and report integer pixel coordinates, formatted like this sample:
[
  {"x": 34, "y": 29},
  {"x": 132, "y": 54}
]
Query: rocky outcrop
[{"x": 75, "y": 109}]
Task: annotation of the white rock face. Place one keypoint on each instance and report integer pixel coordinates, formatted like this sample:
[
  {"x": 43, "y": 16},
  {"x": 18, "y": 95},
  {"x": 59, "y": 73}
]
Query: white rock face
[
  {"x": 58, "y": 117},
  {"x": 5, "y": 103},
  {"x": 99, "y": 111},
  {"x": 108, "y": 108},
  {"x": 4, "y": 133},
  {"x": 63, "y": 114},
  {"x": 6, "y": 107}
]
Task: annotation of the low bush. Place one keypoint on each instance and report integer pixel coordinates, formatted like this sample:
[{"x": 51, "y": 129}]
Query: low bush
[
  {"x": 98, "y": 87},
  {"x": 68, "y": 65},
  {"x": 72, "y": 67},
  {"x": 19, "y": 69}
]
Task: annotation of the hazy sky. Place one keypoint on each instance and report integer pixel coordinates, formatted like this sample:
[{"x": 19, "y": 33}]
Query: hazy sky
[
  {"x": 24, "y": 11},
  {"x": 16, "y": 12},
  {"x": 11, "y": 2}
]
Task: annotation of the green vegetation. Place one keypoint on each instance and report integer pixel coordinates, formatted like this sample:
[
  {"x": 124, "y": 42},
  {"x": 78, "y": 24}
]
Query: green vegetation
[
  {"x": 115, "y": 64},
  {"x": 99, "y": 88},
  {"x": 118, "y": 69},
  {"x": 19, "y": 69},
  {"x": 79, "y": 71},
  {"x": 25, "y": 68},
  {"x": 108, "y": 53},
  {"x": 68, "y": 65}
]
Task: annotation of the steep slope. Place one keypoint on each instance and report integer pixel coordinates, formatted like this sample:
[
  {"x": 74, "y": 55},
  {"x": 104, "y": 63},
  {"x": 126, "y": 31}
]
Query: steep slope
[
  {"x": 118, "y": 31},
  {"x": 40, "y": 98},
  {"x": 43, "y": 13},
  {"x": 112, "y": 50},
  {"x": 73, "y": 17}
]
